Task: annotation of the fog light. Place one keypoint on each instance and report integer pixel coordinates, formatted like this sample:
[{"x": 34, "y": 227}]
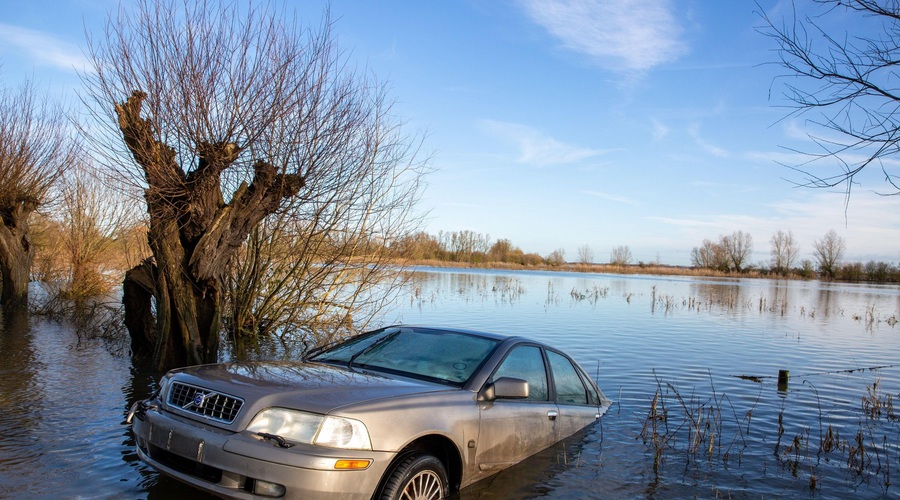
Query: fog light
[
  {"x": 267, "y": 489},
  {"x": 352, "y": 464}
]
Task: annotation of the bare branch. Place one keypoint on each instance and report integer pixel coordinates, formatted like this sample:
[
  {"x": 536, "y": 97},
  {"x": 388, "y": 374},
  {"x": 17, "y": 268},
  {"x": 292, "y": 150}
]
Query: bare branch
[{"x": 850, "y": 80}]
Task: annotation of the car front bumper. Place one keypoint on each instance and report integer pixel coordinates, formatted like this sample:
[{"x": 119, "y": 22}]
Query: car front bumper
[{"x": 236, "y": 465}]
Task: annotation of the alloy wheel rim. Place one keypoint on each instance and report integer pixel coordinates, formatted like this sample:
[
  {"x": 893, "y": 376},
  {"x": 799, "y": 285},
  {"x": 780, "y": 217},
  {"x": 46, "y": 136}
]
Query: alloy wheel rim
[{"x": 426, "y": 485}]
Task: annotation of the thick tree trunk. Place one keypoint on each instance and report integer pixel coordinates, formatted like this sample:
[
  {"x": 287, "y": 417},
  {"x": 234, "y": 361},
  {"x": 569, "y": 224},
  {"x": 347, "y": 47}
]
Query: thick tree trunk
[
  {"x": 187, "y": 307},
  {"x": 138, "y": 290},
  {"x": 193, "y": 233},
  {"x": 185, "y": 329},
  {"x": 16, "y": 255}
]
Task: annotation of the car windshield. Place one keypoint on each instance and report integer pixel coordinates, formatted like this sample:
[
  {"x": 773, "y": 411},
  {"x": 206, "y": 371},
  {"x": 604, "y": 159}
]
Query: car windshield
[{"x": 436, "y": 355}]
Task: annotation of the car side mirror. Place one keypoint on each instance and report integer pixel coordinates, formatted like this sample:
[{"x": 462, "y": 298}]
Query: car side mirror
[{"x": 505, "y": 388}]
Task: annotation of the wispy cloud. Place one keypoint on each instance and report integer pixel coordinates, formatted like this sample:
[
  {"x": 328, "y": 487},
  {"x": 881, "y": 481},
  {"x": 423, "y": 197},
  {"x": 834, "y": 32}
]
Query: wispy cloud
[
  {"x": 672, "y": 221},
  {"x": 705, "y": 145},
  {"x": 613, "y": 197},
  {"x": 536, "y": 147},
  {"x": 43, "y": 48},
  {"x": 660, "y": 130},
  {"x": 870, "y": 225},
  {"x": 634, "y": 35}
]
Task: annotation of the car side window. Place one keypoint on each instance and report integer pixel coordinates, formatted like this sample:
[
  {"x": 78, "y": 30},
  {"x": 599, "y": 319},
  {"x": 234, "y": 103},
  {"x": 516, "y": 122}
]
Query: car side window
[
  {"x": 569, "y": 387},
  {"x": 593, "y": 395},
  {"x": 526, "y": 363}
]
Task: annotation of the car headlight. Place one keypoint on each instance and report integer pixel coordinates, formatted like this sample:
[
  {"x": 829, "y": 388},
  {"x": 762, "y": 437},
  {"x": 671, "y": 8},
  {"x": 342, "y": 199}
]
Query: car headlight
[
  {"x": 311, "y": 428},
  {"x": 340, "y": 432}
]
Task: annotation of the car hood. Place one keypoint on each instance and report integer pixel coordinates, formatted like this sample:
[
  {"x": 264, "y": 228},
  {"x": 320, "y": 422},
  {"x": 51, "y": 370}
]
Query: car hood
[{"x": 314, "y": 387}]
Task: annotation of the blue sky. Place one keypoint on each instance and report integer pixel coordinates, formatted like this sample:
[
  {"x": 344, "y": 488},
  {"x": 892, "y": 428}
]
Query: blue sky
[{"x": 559, "y": 124}]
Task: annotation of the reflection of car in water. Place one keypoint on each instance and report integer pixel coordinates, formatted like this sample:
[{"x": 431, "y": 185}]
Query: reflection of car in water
[{"x": 401, "y": 410}]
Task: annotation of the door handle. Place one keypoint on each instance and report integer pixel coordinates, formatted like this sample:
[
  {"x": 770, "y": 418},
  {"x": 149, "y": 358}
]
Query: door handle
[{"x": 552, "y": 414}]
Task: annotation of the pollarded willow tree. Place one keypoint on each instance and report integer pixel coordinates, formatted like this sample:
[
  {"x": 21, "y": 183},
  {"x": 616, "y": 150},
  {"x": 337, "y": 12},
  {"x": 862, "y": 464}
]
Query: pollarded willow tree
[
  {"x": 35, "y": 150},
  {"x": 227, "y": 116}
]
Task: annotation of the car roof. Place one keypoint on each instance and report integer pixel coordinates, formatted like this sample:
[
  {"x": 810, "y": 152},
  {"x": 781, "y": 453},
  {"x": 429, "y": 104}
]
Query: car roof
[{"x": 479, "y": 333}]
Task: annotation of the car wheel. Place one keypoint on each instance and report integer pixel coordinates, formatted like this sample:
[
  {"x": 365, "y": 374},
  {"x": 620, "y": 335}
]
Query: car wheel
[{"x": 416, "y": 477}]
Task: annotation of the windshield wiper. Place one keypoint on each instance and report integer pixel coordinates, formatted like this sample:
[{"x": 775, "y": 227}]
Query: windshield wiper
[
  {"x": 316, "y": 350},
  {"x": 373, "y": 346},
  {"x": 279, "y": 441}
]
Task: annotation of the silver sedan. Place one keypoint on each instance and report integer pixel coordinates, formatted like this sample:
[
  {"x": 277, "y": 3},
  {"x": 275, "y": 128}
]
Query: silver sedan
[{"x": 400, "y": 412}]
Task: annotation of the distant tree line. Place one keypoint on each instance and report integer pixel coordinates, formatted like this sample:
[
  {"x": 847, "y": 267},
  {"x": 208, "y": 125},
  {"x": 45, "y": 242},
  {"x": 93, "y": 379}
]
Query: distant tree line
[
  {"x": 466, "y": 247},
  {"x": 732, "y": 253}
]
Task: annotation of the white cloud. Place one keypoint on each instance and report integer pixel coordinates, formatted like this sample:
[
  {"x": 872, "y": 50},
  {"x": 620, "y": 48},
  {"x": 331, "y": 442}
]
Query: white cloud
[
  {"x": 660, "y": 130},
  {"x": 705, "y": 145},
  {"x": 612, "y": 197},
  {"x": 537, "y": 148},
  {"x": 633, "y": 35},
  {"x": 870, "y": 226},
  {"x": 43, "y": 48}
]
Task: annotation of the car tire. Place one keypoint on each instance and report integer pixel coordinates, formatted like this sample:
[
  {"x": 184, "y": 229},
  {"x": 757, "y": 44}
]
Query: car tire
[{"x": 418, "y": 476}]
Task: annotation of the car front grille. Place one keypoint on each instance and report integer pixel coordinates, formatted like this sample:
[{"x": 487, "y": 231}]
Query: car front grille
[{"x": 204, "y": 402}]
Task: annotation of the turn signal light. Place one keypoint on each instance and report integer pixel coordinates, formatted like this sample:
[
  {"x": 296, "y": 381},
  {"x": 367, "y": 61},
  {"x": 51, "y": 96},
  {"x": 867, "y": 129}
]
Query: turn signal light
[{"x": 352, "y": 464}]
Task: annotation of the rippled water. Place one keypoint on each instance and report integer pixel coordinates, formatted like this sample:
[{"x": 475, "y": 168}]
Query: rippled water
[{"x": 708, "y": 351}]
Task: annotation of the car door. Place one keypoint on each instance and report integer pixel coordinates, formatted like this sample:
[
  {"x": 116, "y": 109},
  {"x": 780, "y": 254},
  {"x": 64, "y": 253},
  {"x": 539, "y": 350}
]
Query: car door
[
  {"x": 513, "y": 429},
  {"x": 576, "y": 400}
]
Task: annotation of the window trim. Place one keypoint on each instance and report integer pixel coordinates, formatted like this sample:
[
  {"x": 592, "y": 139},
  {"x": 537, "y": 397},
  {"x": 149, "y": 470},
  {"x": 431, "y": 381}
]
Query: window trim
[
  {"x": 548, "y": 374},
  {"x": 578, "y": 372}
]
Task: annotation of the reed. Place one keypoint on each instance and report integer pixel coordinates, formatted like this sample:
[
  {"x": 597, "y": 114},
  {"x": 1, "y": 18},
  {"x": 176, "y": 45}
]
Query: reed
[
  {"x": 875, "y": 404},
  {"x": 731, "y": 301},
  {"x": 709, "y": 429}
]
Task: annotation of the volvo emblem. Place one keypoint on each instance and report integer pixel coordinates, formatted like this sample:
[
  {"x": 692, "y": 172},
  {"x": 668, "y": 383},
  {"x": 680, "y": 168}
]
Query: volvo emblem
[{"x": 199, "y": 401}]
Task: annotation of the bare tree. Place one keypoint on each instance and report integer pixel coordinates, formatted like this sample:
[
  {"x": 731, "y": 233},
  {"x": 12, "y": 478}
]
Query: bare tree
[
  {"x": 829, "y": 251},
  {"x": 585, "y": 254},
  {"x": 34, "y": 151},
  {"x": 465, "y": 245},
  {"x": 708, "y": 255},
  {"x": 224, "y": 115},
  {"x": 620, "y": 255},
  {"x": 730, "y": 253},
  {"x": 93, "y": 218},
  {"x": 311, "y": 278},
  {"x": 557, "y": 257},
  {"x": 784, "y": 252},
  {"x": 420, "y": 246},
  {"x": 501, "y": 250},
  {"x": 850, "y": 79},
  {"x": 738, "y": 248}
]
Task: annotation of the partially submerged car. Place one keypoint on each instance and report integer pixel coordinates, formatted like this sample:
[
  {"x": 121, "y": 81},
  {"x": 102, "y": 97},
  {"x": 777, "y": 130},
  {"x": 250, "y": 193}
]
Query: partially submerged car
[{"x": 399, "y": 412}]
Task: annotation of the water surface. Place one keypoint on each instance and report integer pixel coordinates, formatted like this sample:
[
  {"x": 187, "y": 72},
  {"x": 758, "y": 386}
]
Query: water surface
[{"x": 707, "y": 351}]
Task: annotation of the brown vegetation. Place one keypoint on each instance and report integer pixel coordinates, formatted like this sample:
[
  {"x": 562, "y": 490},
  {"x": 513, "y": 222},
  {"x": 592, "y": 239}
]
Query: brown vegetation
[
  {"x": 713, "y": 259},
  {"x": 226, "y": 117},
  {"x": 34, "y": 152},
  {"x": 701, "y": 429}
]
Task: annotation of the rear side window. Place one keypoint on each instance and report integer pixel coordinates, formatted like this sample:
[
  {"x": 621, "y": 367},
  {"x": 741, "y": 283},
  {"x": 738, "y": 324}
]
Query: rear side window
[
  {"x": 569, "y": 387},
  {"x": 526, "y": 363},
  {"x": 593, "y": 395}
]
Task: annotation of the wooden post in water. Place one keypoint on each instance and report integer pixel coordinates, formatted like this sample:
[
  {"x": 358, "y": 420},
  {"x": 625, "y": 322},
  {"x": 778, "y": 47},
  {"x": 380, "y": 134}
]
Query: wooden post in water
[{"x": 783, "y": 376}]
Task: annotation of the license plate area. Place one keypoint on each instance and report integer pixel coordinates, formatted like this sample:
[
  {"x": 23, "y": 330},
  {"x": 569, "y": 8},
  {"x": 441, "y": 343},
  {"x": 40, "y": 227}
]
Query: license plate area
[{"x": 177, "y": 443}]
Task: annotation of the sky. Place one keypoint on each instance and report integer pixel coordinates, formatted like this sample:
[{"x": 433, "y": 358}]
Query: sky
[{"x": 563, "y": 124}]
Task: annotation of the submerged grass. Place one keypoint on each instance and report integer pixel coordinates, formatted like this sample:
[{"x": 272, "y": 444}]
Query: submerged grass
[
  {"x": 710, "y": 430},
  {"x": 699, "y": 435},
  {"x": 729, "y": 299}
]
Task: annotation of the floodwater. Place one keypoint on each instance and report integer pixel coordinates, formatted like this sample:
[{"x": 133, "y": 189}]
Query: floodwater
[{"x": 692, "y": 365}]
